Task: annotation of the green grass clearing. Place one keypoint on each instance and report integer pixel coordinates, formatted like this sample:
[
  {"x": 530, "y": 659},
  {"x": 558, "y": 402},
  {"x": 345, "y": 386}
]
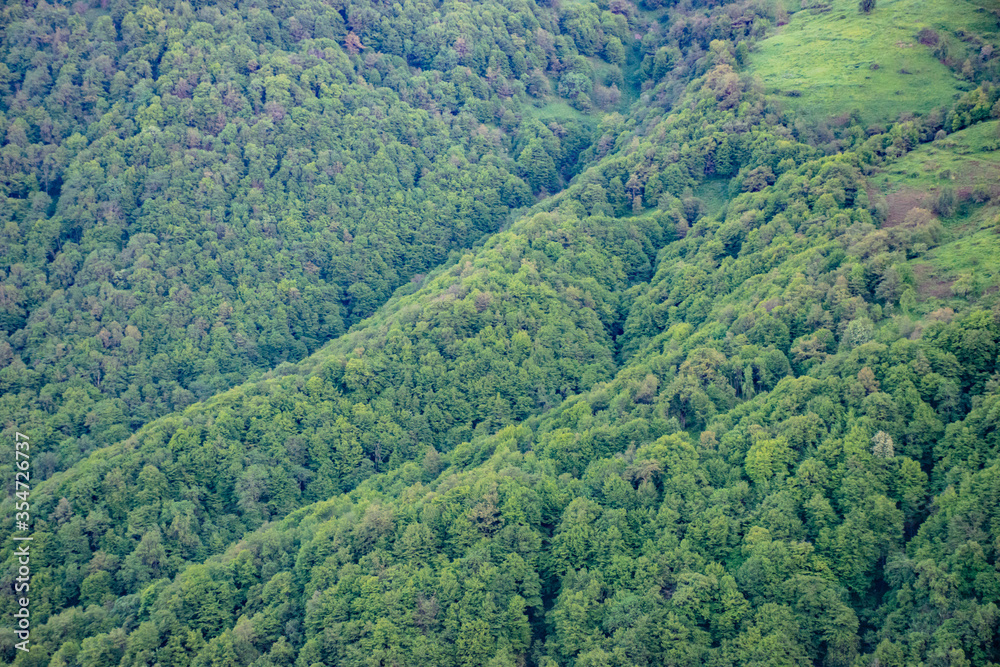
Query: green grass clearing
[
  {"x": 969, "y": 259},
  {"x": 555, "y": 110},
  {"x": 714, "y": 193},
  {"x": 827, "y": 58},
  {"x": 964, "y": 159},
  {"x": 967, "y": 161}
]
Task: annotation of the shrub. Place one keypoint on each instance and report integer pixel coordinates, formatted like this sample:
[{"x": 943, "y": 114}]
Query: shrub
[
  {"x": 981, "y": 194},
  {"x": 928, "y": 37},
  {"x": 944, "y": 206}
]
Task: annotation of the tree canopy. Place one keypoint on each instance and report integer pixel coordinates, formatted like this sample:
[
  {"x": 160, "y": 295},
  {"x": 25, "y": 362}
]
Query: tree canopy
[{"x": 358, "y": 334}]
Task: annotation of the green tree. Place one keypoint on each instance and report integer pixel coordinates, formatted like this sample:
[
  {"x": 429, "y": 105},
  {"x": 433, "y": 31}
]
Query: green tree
[{"x": 537, "y": 167}]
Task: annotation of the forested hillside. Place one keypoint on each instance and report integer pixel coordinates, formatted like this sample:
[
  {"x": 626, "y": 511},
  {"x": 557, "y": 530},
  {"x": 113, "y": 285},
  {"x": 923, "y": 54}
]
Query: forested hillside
[
  {"x": 195, "y": 195},
  {"x": 500, "y": 334}
]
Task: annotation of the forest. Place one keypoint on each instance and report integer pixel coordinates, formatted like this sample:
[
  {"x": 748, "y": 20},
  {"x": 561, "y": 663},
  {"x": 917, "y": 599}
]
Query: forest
[{"x": 502, "y": 333}]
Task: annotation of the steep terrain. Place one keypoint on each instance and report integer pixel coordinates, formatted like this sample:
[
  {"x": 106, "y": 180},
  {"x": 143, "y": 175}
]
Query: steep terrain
[{"x": 728, "y": 397}]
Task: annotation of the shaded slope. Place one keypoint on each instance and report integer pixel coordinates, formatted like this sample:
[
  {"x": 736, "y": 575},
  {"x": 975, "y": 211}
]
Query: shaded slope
[
  {"x": 779, "y": 531},
  {"x": 597, "y": 531},
  {"x": 495, "y": 338},
  {"x": 194, "y": 195}
]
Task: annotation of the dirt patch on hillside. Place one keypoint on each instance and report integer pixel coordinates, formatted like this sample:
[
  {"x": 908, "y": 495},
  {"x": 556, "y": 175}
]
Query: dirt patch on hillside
[
  {"x": 903, "y": 201},
  {"x": 929, "y": 284},
  {"x": 976, "y": 173}
]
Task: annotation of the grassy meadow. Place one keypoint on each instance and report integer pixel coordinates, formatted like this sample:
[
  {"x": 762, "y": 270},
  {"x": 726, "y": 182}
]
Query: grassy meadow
[
  {"x": 963, "y": 160},
  {"x": 831, "y": 60},
  {"x": 968, "y": 162}
]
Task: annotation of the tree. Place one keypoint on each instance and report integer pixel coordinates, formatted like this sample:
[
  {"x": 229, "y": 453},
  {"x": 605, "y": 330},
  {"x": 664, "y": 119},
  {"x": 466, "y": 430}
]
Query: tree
[
  {"x": 944, "y": 205},
  {"x": 614, "y": 51},
  {"x": 538, "y": 167},
  {"x": 883, "y": 445},
  {"x": 967, "y": 285},
  {"x": 766, "y": 458},
  {"x": 859, "y": 332},
  {"x": 353, "y": 43},
  {"x": 475, "y": 644}
]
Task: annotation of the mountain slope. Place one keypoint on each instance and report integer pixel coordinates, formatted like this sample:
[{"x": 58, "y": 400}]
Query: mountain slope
[
  {"x": 197, "y": 195},
  {"x": 621, "y": 432}
]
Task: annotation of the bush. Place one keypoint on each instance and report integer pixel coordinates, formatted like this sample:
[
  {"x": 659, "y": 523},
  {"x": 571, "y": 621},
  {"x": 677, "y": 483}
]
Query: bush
[
  {"x": 928, "y": 37},
  {"x": 981, "y": 194},
  {"x": 944, "y": 206},
  {"x": 859, "y": 332}
]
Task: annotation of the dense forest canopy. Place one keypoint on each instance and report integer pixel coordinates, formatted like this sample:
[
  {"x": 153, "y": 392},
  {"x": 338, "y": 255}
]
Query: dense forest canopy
[{"x": 498, "y": 333}]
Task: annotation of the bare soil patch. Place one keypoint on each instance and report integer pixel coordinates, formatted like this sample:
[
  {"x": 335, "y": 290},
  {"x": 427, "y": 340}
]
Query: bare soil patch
[
  {"x": 903, "y": 201},
  {"x": 929, "y": 285}
]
